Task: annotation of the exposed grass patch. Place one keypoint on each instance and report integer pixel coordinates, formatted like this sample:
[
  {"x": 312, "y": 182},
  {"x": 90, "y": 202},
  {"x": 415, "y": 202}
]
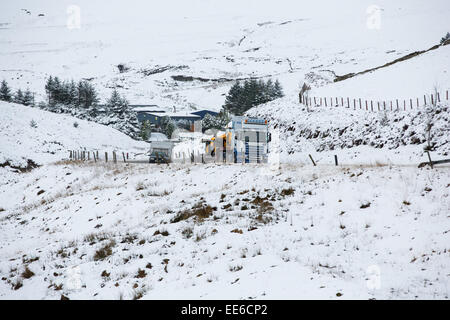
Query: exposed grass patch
[
  {"x": 187, "y": 232},
  {"x": 200, "y": 236},
  {"x": 237, "y": 231},
  {"x": 200, "y": 211},
  {"x": 141, "y": 274},
  {"x": 227, "y": 206},
  {"x": 129, "y": 238},
  {"x": 365, "y": 205},
  {"x": 17, "y": 285},
  {"x": 104, "y": 251},
  {"x": 138, "y": 294},
  {"x": 164, "y": 233},
  {"x": 93, "y": 238},
  {"x": 105, "y": 274},
  {"x": 235, "y": 268},
  {"x": 140, "y": 186},
  {"x": 287, "y": 192},
  {"x": 27, "y": 273}
]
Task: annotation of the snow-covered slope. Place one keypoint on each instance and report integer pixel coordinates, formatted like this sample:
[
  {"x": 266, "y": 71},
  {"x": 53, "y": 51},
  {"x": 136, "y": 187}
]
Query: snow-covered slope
[
  {"x": 290, "y": 40},
  {"x": 43, "y": 137},
  {"x": 376, "y": 226},
  {"x": 357, "y": 136},
  {"x": 225, "y": 231}
]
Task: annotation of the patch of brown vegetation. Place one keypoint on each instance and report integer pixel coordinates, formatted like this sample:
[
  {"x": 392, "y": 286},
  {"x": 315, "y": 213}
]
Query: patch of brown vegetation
[
  {"x": 200, "y": 211},
  {"x": 104, "y": 251}
]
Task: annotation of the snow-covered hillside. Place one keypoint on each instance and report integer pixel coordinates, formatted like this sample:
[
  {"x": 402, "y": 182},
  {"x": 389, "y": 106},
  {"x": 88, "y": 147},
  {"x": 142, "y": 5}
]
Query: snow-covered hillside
[
  {"x": 33, "y": 134},
  {"x": 225, "y": 231},
  {"x": 374, "y": 227},
  {"x": 357, "y": 136},
  {"x": 217, "y": 42}
]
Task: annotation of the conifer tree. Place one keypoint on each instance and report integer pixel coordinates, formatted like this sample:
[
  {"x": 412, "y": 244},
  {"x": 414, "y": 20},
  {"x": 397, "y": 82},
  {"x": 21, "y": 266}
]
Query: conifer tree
[
  {"x": 28, "y": 98},
  {"x": 18, "y": 98},
  {"x": 5, "y": 92}
]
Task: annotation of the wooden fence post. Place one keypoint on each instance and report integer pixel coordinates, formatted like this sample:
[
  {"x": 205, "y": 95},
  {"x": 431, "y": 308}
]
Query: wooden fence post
[
  {"x": 348, "y": 102},
  {"x": 70, "y": 155},
  {"x": 424, "y": 100},
  {"x": 93, "y": 155},
  {"x": 106, "y": 156},
  {"x": 438, "y": 98},
  {"x": 354, "y": 104},
  {"x": 417, "y": 102},
  {"x": 447, "y": 94},
  {"x": 404, "y": 104},
  {"x": 432, "y": 100},
  {"x": 342, "y": 101},
  {"x": 396, "y": 100},
  {"x": 335, "y": 160},
  {"x": 310, "y": 156},
  {"x": 410, "y": 103},
  {"x": 429, "y": 158},
  {"x": 371, "y": 105},
  {"x": 123, "y": 155},
  {"x": 391, "y": 104},
  {"x": 366, "y": 105}
]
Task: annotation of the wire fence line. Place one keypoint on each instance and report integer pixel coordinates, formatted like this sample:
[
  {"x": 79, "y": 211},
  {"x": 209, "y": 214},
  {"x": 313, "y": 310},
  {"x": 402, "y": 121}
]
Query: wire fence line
[{"x": 374, "y": 105}]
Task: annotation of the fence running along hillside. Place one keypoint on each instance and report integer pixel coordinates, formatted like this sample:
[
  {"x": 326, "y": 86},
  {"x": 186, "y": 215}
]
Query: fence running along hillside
[
  {"x": 374, "y": 105},
  {"x": 84, "y": 155}
]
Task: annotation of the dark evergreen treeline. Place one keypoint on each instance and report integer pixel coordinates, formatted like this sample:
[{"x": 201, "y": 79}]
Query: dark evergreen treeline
[
  {"x": 82, "y": 94},
  {"x": 80, "y": 99},
  {"x": 250, "y": 93},
  {"x": 23, "y": 97}
]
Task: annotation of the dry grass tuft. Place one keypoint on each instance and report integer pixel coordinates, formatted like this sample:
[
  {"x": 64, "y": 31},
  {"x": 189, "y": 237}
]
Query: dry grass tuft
[
  {"x": 27, "y": 273},
  {"x": 104, "y": 251},
  {"x": 200, "y": 211}
]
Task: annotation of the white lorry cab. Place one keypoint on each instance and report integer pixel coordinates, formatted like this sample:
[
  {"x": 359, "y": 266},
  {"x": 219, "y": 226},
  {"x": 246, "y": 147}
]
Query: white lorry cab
[{"x": 244, "y": 141}]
